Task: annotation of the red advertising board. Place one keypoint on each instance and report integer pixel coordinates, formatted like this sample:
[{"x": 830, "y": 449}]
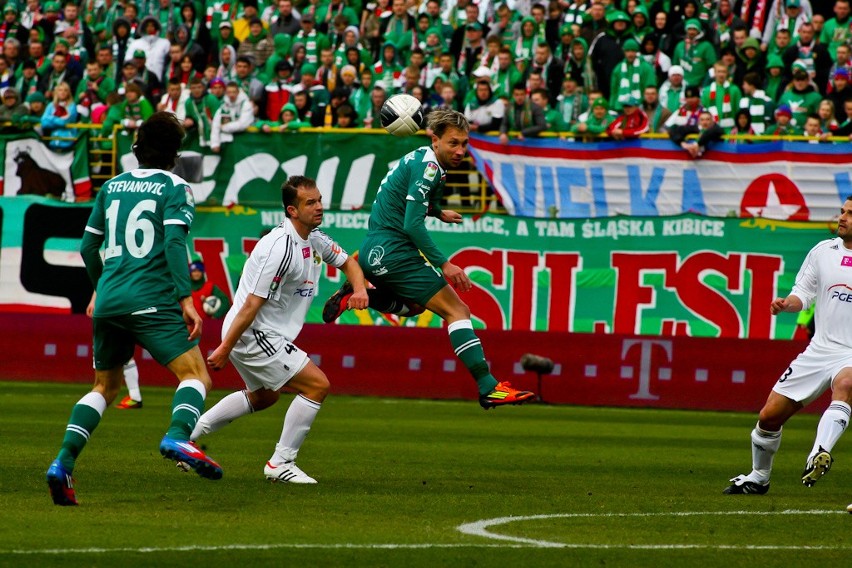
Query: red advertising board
[{"x": 590, "y": 369}]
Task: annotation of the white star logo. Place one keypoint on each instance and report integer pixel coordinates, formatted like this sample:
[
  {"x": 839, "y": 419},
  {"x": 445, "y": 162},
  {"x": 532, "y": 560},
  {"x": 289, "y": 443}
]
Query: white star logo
[{"x": 773, "y": 209}]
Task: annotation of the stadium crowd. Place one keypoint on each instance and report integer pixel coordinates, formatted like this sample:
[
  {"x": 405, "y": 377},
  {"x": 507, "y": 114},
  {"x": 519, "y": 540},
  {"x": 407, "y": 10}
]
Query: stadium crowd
[{"x": 588, "y": 67}]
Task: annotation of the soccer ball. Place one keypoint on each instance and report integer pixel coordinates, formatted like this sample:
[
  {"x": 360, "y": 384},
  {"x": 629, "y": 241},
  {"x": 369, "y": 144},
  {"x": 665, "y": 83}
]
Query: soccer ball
[
  {"x": 211, "y": 305},
  {"x": 402, "y": 115}
]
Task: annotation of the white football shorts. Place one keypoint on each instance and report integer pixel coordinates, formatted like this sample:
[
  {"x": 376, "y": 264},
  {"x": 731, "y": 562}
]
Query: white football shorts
[
  {"x": 267, "y": 361},
  {"x": 811, "y": 373}
]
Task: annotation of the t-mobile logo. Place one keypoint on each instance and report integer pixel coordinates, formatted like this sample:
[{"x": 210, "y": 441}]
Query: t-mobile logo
[{"x": 646, "y": 351}]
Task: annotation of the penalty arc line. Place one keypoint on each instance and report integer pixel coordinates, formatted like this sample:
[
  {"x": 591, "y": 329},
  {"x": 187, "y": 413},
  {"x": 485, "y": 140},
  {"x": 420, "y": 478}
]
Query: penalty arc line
[{"x": 480, "y": 528}]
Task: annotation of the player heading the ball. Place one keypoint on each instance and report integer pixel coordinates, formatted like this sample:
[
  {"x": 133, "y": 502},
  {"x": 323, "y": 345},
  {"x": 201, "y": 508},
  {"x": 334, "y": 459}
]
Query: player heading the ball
[{"x": 390, "y": 255}]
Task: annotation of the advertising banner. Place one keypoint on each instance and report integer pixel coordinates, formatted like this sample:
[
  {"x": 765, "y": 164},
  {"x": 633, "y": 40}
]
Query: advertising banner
[
  {"x": 655, "y": 276},
  {"x": 549, "y": 178},
  {"x": 609, "y": 370}
]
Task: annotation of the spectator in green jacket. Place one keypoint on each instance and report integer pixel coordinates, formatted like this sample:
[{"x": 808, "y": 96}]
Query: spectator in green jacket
[
  {"x": 289, "y": 121},
  {"x": 838, "y": 29},
  {"x": 201, "y": 107},
  {"x": 801, "y": 96},
  {"x": 594, "y": 121},
  {"x": 695, "y": 54}
]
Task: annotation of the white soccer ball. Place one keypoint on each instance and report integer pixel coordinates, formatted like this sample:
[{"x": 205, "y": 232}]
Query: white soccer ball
[
  {"x": 402, "y": 115},
  {"x": 211, "y": 305}
]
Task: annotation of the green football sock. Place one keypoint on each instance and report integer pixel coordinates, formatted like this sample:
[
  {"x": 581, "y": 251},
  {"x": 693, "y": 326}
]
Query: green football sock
[
  {"x": 187, "y": 406},
  {"x": 468, "y": 348},
  {"x": 85, "y": 417}
]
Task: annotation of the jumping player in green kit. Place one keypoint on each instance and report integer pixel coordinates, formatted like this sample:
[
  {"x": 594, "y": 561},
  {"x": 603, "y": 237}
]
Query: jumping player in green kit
[
  {"x": 143, "y": 296},
  {"x": 391, "y": 253}
]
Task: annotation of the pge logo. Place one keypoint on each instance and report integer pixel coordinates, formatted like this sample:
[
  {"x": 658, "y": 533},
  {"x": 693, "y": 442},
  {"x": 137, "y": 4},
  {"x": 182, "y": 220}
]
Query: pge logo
[
  {"x": 304, "y": 292},
  {"x": 841, "y": 293}
]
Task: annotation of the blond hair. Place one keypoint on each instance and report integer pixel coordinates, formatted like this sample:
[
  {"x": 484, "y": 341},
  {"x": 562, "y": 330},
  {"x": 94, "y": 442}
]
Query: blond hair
[{"x": 440, "y": 120}]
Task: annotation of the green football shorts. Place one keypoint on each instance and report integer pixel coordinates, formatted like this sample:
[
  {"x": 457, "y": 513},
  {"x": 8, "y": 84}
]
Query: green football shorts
[
  {"x": 396, "y": 265},
  {"x": 160, "y": 330}
]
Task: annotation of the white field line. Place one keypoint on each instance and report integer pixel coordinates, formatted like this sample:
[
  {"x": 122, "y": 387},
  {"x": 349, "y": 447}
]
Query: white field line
[
  {"x": 480, "y": 528},
  {"x": 477, "y": 528}
]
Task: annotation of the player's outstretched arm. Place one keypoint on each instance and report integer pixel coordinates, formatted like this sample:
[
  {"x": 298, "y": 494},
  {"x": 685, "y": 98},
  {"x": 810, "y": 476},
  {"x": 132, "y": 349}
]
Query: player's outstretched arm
[
  {"x": 449, "y": 216},
  {"x": 244, "y": 318},
  {"x": 791, "y": 304}
]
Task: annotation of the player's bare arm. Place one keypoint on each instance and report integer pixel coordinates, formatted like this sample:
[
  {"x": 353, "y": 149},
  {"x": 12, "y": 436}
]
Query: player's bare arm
[
  {"x": 244, "y": 318},
  {"x": 191, "y": 317},
  {"x": 449, "y": 216},
  {"x": 359, "y": 300},
  {"x": 456, "y": 276},
  {"x": 789, "y": 304}
]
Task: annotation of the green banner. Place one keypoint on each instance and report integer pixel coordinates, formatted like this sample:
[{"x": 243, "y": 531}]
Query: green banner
[
  {"x": 685, "y": 275},
  {"x": 249, "y": 171}
]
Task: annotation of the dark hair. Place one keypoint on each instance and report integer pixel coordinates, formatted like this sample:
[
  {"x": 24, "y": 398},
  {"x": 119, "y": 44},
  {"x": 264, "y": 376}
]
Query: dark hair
[
  {"x": 519, "y": 86},
  {"x": 752, "y": 79},
  {"x": 174, "y": 81},
  {"x": 194, "y": 81},
  {"x": 290, "y": 189},
  {"x": 542, "y": 92},
  {"x": 244, "y": 59},
  {"x": 158, "y": 141}
]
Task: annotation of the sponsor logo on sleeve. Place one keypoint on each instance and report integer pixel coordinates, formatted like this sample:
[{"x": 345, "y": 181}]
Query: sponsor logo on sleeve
[{"x": 431, "y": 171}]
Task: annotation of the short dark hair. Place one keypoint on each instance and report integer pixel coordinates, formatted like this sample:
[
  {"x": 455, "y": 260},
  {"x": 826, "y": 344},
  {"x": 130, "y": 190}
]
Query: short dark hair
[
  {"x": 290, "y": 189},
  {"x": 158, "y": 141},
  {"x": 519, "y": 86},
  {"x": 245, "y": 59},
  {"x": 542, "y": 92},
  {"x": 752, "y": 79}
]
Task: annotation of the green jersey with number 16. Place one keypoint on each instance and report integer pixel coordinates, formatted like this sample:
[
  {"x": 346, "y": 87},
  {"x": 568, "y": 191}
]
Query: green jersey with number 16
[
  {"x": 131, "y": 213},
  {"x": 412, "y": 189}
]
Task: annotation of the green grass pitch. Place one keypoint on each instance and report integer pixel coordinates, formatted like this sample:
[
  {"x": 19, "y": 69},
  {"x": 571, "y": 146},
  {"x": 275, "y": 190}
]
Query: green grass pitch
[{"x": 397, "y": 478}]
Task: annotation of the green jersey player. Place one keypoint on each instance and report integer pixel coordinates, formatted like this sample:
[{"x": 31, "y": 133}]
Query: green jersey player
[
  {"x": 391, "y": 253},
  {"x": 142, "y": 218}
]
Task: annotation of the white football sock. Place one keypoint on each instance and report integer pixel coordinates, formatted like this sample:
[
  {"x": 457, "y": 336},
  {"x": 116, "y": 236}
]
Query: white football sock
[
  {"x": 131, "y": 379},
  {"x": 223, "y": 412},
  {"x": 831, "y": 426},
  {"x": 764, "y": 444},
  {"x": 297, "y": 423}
]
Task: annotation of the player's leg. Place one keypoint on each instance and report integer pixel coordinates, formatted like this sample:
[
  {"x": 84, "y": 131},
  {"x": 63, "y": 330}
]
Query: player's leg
[
  {"x": 831, "y": 426},
  {"x": 133, "y": 400},
  {"x": 233, "y": 406},
  {"x": 187, "y": 408},
  {"x": 468, "y": 348},
  {"x": 112, "y": 347},
  {"x": 263, "y": 375},
  {"x": 312, "y": 386},
  {"x": 163, "y": 333},
  {"x": 765, "y": 441}
]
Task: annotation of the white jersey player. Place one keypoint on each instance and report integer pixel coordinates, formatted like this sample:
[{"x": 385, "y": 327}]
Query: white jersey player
[
  {"x": 824, "y": 280},
  {"x": 279, "y": 282}
]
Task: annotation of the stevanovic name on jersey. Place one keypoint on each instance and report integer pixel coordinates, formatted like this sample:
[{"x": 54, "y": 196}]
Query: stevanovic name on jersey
[
  {"x": 404, "y": 198},
  {"x": 284, "y": 269},
  {"x": 131, "y": 212},
  {"x": 826, "y": 278}
]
